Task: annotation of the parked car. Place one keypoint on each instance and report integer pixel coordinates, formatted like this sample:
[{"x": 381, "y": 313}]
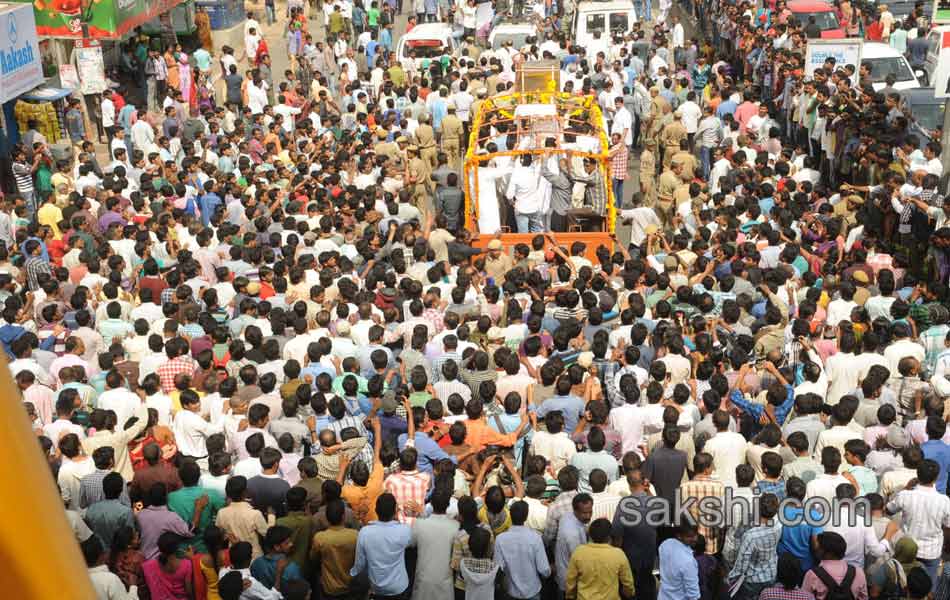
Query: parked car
[
  {"x": 825, "y": 17},
  {"x": 428, "y": 40},
  {"x": 933, "y": 53},
  {"x": 926, "y": 113},
  {"x": 616, "y": 16},
  {"x": 884, "y": 61},
  {"x": 516, "y": 33}
]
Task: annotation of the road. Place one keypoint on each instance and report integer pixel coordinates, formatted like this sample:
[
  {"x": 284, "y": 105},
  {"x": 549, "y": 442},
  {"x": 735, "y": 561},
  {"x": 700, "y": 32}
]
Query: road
[{"x": 276, "y": 41}]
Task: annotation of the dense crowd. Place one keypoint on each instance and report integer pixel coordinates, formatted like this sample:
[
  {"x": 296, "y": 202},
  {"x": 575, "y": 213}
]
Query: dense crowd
[{"x": 266, "y": 358}]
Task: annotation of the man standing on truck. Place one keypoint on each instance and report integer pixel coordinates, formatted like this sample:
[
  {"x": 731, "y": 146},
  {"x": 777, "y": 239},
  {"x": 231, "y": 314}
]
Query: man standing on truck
[{"x": 524, "y": 192}]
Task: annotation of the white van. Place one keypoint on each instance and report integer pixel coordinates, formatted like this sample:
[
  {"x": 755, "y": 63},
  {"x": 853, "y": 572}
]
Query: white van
[
  {"x": 934, "y": 37},
  {"x": 885, "y": 60},
  {"x": 428, "y": 40},
  {"x": 516, "y": 33},
  {"x": 617, "y": 16}
]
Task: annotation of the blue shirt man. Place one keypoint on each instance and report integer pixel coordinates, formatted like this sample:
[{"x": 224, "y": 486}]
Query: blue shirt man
[
  {"x": 264, "y": 569},
  {"x": 371, "y": 49},
  {"x": 381, "y": 548},
  {"x": 571, "y": 408},
  {"x": 756, "y": 410},
  {"x": 520, "y": 554},
  {"x": 207, "y": 205},
  {"x": 439, "y": 111},
  {"x": 726, "y": 107},
  {"x": 571, "y": 533},
  {"x": 796, "y": 539},
  {"x": 679, "y": 573},
  {"x": 428, "y": 449},
  {"x": 43, "y": 251},
  {"x": 936, "y": 450}
]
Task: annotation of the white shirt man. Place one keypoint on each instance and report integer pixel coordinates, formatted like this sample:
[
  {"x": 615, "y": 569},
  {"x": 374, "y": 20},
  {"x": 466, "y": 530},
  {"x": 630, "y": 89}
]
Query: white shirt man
[
  {"x": 902, "y": 349},
  {"x": 824, "y": 486},
  {"x": 842, "y": 376},
  {"x": 679, "y": 35},
  {"x": 288, "y": 112},
  {"x": 628, "y": 421},
  {"x": 924, "y": 513},
  {"x": 719, "y": 170},
  {"x": 257, "y": 97},
  {"x": 524, "y": 189},
  {"x": 728, "y": 450},
  {"x": 121, "y": 401},
  {"x": 191, "y": 432},
  {"x": 108, "y": 585},
  {"x": 143, "y": 136},
  {"x": 296, "y": 348},
  {"x": 837, "y": 437},
  {"x": 860, "y": 539},
  {"x": 623, "y": 123},
  {"x": 691, "y": 114},
  {"x": 839, "y": 310},
  {"x": 108, "y": 111},
  {"x": 557, "y": 448}
]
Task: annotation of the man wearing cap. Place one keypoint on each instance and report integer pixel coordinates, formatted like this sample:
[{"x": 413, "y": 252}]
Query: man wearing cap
[
  {"x": 497, "y": 262},
  {"x": 425, "y": 140},
  {"x": 670, "y": 180},
  {"x": 469, "y": 45},
  {"x": 452, "y": 137},
  {"x": 686, "y": 158},
  {"x": 847, "y": 208},
  {"x": 419, "y": 178},
  {"x": 648, "y": 171},
  {"x": 671, "y": 136},
  {"x": 382, "y": 147}
]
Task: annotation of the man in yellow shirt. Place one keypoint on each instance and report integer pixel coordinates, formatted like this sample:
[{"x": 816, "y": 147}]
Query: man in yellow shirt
[
  {"x": 597, "y": 569},
  {"x": 50, "y": 215},
  {"x": 62, "y": 183}
]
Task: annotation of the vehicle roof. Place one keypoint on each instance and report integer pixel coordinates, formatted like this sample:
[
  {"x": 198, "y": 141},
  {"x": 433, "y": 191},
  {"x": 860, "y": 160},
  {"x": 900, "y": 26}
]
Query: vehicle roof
[
  {"x": 514, "y": 27},
  {"x": 429, "y": 31},
  {"x": 805, "y": 6},
  {"x": 922, "y": 96},
  {"x": 878, "y": 50},
  {"x": 897, "y": 7},
  {"x": 613, "y": 5}
]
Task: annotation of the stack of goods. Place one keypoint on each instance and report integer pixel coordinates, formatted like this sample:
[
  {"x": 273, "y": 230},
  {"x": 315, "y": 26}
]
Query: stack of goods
[{"x": 47, "y": 118}]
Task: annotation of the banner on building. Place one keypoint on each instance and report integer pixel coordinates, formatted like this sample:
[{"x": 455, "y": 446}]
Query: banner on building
[
  {"x": 98, "y": 19},
  {"x": 21, "y": 68}
]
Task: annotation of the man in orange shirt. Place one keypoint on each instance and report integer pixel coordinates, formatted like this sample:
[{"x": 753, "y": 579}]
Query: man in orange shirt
[
  {"x": 367, "y": 486},
  {"x": 479, "y": 434}
]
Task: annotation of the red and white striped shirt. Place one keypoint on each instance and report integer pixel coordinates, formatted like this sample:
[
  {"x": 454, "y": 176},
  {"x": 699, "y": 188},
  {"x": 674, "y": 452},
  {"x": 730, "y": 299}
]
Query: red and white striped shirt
[
  {"x": 407, "y": 486},
  {"x": 169, "y": 369}
]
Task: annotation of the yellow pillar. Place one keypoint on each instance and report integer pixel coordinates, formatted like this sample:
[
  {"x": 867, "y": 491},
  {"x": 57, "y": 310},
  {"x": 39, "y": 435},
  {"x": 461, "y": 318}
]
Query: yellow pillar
[{"x": 41, "y": 558}]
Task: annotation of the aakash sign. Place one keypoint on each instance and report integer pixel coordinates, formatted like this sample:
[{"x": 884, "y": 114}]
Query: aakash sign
[{"x": 21, "y": 69}]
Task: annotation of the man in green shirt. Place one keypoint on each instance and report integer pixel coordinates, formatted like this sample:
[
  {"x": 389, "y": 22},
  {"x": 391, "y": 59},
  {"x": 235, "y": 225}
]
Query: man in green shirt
[
  {"x": 182, "y": 502},
  {"x": 372, "y": 15},
  {"x": 301, "y": 525},
  {"x": 44, "y": 176}
]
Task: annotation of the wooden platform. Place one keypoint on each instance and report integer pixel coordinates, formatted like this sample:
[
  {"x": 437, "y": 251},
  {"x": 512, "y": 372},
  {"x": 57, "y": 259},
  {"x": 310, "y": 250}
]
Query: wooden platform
[{"x": 593, "y": 239}]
